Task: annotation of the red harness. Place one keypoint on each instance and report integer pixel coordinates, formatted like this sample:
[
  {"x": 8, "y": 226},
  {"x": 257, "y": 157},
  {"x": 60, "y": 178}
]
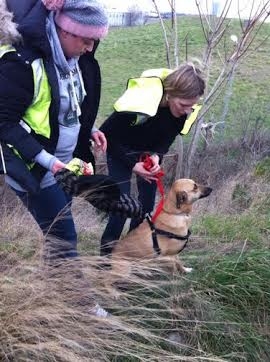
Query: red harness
[{"x": 148, "y": 164}]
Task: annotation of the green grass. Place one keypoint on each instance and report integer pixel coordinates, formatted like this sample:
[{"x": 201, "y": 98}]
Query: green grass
[
  {"x": 227, "y": 229},
  {"x": 126, "y": 52},
  {"x": 234, "y": 301}
]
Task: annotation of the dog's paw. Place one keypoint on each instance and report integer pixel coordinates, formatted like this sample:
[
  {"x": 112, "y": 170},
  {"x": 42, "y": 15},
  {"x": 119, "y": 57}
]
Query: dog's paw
[{"x": 187, "y": 270}]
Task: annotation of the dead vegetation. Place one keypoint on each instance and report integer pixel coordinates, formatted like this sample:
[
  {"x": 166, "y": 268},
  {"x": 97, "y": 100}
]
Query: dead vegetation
[{"x": 44, "y": 316}]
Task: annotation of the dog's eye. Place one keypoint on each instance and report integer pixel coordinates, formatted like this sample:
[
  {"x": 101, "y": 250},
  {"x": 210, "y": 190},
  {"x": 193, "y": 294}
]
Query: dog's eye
[{"x": 195, "y": 188}]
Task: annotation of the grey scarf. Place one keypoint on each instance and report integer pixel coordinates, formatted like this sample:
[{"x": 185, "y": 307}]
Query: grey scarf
[{"x": 62, "y": 64}]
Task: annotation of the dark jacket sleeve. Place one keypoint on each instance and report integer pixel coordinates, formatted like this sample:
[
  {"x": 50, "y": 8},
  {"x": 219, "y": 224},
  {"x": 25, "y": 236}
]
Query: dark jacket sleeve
[
  {"x": 92, "y": 83},
  {"x": 114, "y": 128},
  {"x": 16, "y": 94}
]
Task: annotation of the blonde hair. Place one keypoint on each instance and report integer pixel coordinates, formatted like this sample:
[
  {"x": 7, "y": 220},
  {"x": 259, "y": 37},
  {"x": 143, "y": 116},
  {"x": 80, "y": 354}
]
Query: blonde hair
[{"x": 185, "y": 82}]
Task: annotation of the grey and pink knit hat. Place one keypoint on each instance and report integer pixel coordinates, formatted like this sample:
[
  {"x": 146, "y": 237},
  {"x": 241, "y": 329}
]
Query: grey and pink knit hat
[{"x": 86, "y": 18}]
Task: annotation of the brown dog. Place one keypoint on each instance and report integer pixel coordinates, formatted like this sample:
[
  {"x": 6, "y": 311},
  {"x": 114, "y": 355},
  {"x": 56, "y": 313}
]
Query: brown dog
[{"x": 171, "y": 231}]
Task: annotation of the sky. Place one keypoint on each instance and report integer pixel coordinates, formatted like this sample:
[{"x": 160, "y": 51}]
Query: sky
[{"x": 188, "y": 6}]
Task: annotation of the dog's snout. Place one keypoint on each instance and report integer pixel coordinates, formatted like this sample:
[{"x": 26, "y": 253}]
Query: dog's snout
[{"x": 206, "y": 191}]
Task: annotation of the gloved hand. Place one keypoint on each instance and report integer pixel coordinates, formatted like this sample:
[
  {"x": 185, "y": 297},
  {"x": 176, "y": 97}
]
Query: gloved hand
[
  {"x": 79, "y": 167},
  {"x": 99, "y": 190}
]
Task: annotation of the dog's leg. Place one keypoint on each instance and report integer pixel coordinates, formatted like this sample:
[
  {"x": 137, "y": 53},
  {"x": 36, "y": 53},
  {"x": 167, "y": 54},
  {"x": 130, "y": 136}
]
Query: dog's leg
[
  {"x": 180, "y": 267},
  {"x": 187, "y": 270},
  {"x": 173, "y": 264},
  {"x": 119, "y": 272}
]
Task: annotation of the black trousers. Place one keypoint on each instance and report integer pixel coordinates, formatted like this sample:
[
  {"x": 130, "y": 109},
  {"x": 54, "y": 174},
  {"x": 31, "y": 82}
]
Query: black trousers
[{"x": 147, "y": 191}]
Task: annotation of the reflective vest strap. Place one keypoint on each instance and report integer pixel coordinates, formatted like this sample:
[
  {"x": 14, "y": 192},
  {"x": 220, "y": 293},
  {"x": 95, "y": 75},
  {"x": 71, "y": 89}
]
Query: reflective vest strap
[
  {"x": 37, "y": 115},
  {"x": 191, "y": 119},
  {"x": 6, "y": 49},
  {"x": 37, "y": 67}
]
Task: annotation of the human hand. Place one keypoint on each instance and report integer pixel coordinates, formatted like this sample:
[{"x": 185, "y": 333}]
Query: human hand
[
  {"x": 141, "y": 171},
  {"x": 58, "y": 165},
  {"x": 80, "y": 167},
  {"x": 100, "y": 140},
  {"x": 156, "y": 167}
]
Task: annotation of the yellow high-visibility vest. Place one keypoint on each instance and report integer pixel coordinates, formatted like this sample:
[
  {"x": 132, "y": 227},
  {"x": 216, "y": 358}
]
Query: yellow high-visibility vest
[
  {"x": 36, "y": 116},
  {"x": 143, "y": 96}
]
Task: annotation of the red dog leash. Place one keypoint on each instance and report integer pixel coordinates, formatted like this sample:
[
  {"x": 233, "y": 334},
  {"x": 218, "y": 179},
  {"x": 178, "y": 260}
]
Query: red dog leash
[{"x": 148, "y": 164}]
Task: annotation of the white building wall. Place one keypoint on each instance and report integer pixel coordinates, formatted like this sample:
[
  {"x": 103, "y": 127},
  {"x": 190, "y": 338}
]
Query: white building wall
[{"x": 189, "y": 6}]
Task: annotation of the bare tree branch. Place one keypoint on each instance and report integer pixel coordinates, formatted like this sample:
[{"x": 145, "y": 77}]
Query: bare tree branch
[
  {"x": 165, "y": 34},
  {"x": 215, "y": 29},
  {"x": 215, "y": 33}
]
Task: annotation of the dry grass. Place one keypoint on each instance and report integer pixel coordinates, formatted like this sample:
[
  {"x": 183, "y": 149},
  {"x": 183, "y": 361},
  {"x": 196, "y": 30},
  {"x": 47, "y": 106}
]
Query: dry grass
[
  {"x": 19, "y": 236},
  {"x": 44, "y": 316},
  {"x": 44, "y": 312}
]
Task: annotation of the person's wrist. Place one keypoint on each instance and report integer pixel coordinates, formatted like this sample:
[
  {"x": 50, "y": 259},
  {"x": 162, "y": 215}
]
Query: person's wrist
[
  {"x": 93, "y": 130},
  {"x": 45, "y": 159},
  {"x": 57, "y": 165}
]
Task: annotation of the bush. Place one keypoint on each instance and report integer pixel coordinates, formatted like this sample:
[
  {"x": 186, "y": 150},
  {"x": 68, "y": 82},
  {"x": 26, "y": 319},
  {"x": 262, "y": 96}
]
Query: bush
[
  {"x": 241, "y": 197},
  {"x": 263, "y": 168}
]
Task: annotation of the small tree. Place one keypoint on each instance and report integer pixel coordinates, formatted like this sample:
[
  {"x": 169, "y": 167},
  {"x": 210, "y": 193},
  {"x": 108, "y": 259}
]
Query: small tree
[
  {"x": 214, "y": 33},
  {"x": 215, "y": 30}
]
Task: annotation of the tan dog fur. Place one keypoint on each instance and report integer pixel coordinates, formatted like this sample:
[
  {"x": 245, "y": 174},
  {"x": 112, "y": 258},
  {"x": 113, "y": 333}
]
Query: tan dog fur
[{"x": 175, "y": 218}]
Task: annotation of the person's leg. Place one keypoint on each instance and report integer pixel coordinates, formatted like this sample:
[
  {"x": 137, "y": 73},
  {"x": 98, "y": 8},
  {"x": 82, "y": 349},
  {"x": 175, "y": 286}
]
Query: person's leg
[
  {"x": 51, "y": 208},
  {"x": 113, "y": 230},
  {"x": 147, "y": 193}
]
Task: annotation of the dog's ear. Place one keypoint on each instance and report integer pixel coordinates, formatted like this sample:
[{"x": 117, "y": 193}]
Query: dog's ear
[{"x": 181, "y": 197}]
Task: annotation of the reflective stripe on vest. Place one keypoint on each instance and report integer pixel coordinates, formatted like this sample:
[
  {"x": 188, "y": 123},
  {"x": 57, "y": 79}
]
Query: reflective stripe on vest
[
  {"x": 37, "y": 114},
  {"x": 6, "y": 49}
]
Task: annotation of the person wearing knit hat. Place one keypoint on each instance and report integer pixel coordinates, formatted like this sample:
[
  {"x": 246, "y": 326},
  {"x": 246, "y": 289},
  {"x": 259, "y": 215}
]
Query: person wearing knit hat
[
  {"x": 49, "y": 95},
  {"x": 84, "y": 20}
]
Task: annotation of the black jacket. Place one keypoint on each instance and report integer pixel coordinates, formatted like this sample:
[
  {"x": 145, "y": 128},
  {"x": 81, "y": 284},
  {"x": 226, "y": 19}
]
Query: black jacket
[
  {"x": 16, "y": 94},
  {"x": 127, "y": 142}
]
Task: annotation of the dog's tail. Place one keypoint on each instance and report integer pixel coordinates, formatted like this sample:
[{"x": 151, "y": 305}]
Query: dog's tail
[{"x": 8, "y": 28}]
